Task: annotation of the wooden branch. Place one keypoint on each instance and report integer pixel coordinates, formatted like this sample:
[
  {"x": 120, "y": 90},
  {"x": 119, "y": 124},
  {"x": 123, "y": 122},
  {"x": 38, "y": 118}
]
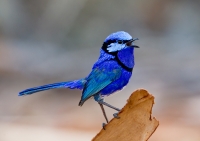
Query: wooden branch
[{"x": 135, "y": 123}]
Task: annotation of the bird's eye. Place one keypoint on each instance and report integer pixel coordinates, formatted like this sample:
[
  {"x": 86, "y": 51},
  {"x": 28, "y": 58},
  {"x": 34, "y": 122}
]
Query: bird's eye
[
  {"x": 120, "y": 41},
  {"x": 129, "y": 43}
]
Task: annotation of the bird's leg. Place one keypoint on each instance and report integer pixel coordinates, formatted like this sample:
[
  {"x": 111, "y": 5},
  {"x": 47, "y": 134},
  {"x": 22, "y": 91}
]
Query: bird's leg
[
  {"x": 108, "y": 105},
  {"x": 104, "y": 126},
  {"x": 99, "y": 99},
  {"x": 115, "y": 115},
  {"x": 104, "y": 113}
]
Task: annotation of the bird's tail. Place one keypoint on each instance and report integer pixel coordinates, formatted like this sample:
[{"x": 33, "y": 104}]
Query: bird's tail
[{"x": 76, "y": 84}]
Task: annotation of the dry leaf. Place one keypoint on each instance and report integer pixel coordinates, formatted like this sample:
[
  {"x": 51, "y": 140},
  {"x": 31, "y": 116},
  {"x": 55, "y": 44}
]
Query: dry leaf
[{"x": 135, "y": 123}]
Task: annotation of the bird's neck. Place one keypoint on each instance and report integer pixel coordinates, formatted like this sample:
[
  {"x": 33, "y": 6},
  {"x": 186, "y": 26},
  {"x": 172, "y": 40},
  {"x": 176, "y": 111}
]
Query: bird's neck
[{"x": 124, "y": 57}]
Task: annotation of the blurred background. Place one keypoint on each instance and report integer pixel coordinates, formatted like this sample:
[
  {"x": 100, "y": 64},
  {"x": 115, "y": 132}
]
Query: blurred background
[{"x": 46, "y": 41}]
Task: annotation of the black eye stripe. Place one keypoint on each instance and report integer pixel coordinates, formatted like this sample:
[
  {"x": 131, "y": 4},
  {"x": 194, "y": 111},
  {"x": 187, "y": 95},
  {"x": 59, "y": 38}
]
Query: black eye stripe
[
  {"x": 110, "y": 41},
  {"x": 120, "y": 41},
  {"x": 125, "y": 41},
  {"x": 114, "y": 41}
]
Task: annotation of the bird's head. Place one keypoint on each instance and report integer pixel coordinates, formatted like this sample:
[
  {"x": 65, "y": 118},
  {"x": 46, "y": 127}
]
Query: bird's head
[{"x": 118, "y": 41}]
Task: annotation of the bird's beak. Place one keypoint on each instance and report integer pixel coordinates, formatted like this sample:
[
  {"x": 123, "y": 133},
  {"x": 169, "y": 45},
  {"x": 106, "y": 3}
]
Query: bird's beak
[
  {"x": 136, "y": 46},
  {"x": 129, "y": 43}
]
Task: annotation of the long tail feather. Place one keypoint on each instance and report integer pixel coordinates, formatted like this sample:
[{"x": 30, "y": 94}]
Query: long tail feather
[{"x": 76, "y": 84}]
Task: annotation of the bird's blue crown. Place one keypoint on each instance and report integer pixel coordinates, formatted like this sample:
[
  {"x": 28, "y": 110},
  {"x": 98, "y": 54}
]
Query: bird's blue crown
[{"x": 120, "y": 35}]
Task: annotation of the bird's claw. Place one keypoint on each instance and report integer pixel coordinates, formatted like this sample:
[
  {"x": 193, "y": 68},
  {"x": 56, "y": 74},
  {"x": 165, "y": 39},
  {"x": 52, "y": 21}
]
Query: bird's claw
[
  {"x": 116, "y": 115},
  {"x": 104, "y": 126}
]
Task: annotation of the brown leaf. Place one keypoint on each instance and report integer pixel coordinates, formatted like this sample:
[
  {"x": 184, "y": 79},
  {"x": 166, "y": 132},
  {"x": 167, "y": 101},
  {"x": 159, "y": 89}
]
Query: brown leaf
[{"x": 135, "y": 123}]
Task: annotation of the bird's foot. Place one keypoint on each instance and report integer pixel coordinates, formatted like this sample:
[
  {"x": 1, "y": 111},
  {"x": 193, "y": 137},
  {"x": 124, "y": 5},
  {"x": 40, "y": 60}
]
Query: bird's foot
[
  {"x": 104, "y": 126},
  {"x": 116, "y": 115}
]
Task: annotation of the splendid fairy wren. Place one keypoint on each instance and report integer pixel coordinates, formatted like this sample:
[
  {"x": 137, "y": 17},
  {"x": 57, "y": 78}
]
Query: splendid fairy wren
[{"x": 109, "y": 74}]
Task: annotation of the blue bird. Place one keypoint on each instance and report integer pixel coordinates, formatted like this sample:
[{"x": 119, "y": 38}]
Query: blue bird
[{"x": 109, "y": 74}]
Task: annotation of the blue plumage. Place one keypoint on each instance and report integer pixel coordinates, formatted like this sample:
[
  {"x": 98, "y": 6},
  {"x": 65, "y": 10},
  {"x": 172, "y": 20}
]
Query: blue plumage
[{"x": 109, "y": 74}]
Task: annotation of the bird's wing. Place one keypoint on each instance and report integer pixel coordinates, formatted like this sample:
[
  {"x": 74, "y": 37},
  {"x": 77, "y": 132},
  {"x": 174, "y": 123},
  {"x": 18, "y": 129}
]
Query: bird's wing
[{"x": 98, "y": 79}]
